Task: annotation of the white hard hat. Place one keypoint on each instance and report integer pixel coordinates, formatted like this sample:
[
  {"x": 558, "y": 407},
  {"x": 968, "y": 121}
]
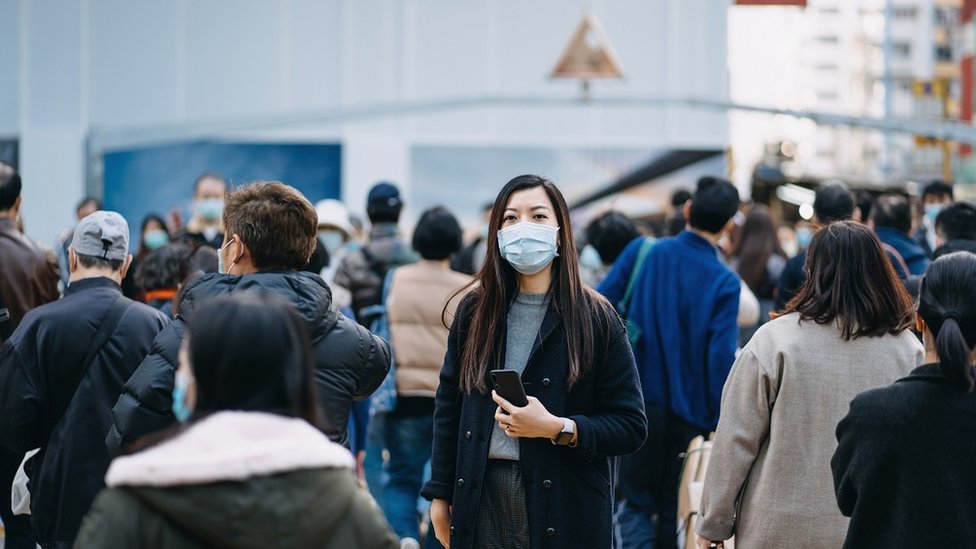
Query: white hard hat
[{"x": 333, "y": 213}]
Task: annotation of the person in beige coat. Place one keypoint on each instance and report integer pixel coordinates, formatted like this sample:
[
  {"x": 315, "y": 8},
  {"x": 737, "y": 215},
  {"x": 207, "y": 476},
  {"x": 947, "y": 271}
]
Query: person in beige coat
[
  {"x": 847, "y": 331},
  {"x": 420, "y": 305}
]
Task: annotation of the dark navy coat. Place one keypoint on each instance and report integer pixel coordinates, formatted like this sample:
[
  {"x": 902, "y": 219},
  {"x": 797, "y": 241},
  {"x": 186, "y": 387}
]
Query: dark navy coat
[{"x": 569, "y": 491}]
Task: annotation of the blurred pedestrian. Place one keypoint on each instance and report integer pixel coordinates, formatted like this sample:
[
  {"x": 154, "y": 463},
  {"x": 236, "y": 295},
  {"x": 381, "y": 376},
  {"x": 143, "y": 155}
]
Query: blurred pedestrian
[
  {"x": 935, "y": 197},
  {"x": 955, "y": 229},
  {"x": 61, "y": 371},
  {"x": 153, "y": 235},
  {"x": 472, "y": 256},
  {"x": 607, "y": 235},
  {"x": 833, "y": 202},
  {"x": 161, "y": 274},
  {"x": 846, "y": 331},
  {"x": 759, "y": 259},
  {"x": 271, "y": 234},
  {"x": 686, "y": 307},
  {"x": 205, "y": 228},
  {"x": 86, "y": 206},
  {"x": 362, "y": 272},
  {"x": 903, "y": 467},
  {"x": 891, "y": 219},
  {"x": 246, "y": 468},
  {"x": 419, "y": 298},
  {"x": 541, "y": 474},
  {"x": 336, "y": 234},
  {"x": 28, "y": 278}
]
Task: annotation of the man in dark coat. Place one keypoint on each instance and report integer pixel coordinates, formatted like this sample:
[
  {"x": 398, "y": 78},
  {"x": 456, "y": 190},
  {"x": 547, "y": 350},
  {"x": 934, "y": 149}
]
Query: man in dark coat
[
  {"x": 891, "y": 219},
  {"x": 28, "y": 278},
  {"x": 58, "y": 379},
  {"x": 955, "y": 229},
  {"x": 271, "y": 232}
]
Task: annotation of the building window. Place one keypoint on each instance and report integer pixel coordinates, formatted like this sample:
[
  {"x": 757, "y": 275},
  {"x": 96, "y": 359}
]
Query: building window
[{"x": 901, "y": 49}]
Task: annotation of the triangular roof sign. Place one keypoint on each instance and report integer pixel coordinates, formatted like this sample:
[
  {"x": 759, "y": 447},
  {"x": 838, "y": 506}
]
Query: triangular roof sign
[{"x": 589, "y": 54}]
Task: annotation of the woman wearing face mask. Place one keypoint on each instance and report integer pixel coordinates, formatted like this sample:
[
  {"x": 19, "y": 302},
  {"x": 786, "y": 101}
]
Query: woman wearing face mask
[
  {"x": 153, "y": 236},
  {"x": 903, "y": 468},
  {"x": 246, "y": 467},
  {"x": 539, "y": 475}
]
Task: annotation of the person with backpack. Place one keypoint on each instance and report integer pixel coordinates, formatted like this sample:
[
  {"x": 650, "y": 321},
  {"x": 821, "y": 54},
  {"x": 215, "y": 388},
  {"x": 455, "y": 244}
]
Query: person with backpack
[
  {"x": 362, "y": 272},
  {"x": 270, "y": 235},
  {"x": 682, "y": 320},
  {"x": 61, "y": 371}
]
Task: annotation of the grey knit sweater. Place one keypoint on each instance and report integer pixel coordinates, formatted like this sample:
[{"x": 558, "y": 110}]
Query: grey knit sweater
[{"x": 524, "y": 320}]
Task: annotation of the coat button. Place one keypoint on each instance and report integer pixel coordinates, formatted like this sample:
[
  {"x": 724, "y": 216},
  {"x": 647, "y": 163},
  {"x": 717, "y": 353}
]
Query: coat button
[
  {"x": 452, "y": 530},
  {"x": 547, "y": 483},
  {"x": 460, "y": 483},
  {"x": 467, "y": 435},
  {"x": 545, "y": 382},
  {"x": 550, "y": 532}
]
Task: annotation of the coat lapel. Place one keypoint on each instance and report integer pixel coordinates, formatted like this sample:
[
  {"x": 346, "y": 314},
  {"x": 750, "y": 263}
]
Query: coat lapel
[{"x": 549, "y": 325}]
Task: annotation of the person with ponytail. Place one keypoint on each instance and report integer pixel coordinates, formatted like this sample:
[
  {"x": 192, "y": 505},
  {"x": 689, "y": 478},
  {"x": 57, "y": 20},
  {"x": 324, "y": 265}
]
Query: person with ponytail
[
  {"x": 903, "y": 469},
  {"x": 539, "y": 475}
]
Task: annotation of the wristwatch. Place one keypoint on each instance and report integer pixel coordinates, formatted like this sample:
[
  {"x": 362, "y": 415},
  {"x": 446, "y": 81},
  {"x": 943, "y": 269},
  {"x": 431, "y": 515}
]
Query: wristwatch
[{"x": 566, "y": 435}]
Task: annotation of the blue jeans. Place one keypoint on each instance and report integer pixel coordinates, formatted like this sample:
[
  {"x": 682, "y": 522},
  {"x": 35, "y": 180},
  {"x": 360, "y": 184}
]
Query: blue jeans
[
  {"x": 374, "y": 465},
  {"x": 409, "y": 441}
]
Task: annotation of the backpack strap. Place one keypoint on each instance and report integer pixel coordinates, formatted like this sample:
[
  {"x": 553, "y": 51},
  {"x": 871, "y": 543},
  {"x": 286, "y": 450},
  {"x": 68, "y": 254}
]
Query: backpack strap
[{"x": 645, "y": 248}]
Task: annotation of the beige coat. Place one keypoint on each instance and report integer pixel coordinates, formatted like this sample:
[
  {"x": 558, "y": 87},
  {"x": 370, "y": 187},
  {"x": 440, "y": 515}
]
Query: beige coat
[
  {"x": 415, "y": 302},
  {"x": 786, "y": 393}
]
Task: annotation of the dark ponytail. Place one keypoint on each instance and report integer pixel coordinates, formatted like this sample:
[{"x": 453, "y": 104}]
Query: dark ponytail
[{"x": 947, "y": 304}]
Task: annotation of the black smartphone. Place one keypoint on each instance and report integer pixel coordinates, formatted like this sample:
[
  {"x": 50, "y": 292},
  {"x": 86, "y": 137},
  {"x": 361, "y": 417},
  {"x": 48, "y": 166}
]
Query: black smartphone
[{"x": 508, "y": 384}]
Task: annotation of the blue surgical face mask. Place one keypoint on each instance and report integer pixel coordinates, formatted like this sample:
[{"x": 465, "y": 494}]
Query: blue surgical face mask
[
  {"x": 332, "y": 240},
  {"x": 590, "y": 258},
  {"x": 155, "y": 239},
  {"x": 181, "y": 411},
  {"x": 220, "y": 258},
  {"x": 932, "y": 211},
  {"x": 803, "y": 237},
  {"x": 210, "y": 209},
  {"x": 528, "y": 247}
]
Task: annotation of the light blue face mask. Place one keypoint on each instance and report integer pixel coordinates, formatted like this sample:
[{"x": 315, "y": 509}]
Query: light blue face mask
[
  {"x": 181, "y": 411},
  {"x": 332, "y": 240},
  {"x": 528, "y": 247},
  {"x": 210, "y": 209},
  {"x": 932, "y": 211},
  {"x": 590, "y": 258},
  {"x": 220, "y": 258},
  {"x": 155, "y": 239},
  {"x": 803, "y": 237}
]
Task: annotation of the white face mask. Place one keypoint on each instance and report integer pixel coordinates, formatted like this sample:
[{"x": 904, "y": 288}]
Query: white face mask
[{"x": 528, "y": 247}]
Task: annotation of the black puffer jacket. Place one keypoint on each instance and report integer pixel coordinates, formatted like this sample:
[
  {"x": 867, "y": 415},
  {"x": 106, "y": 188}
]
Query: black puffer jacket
[{"x": 350, "y": 361}]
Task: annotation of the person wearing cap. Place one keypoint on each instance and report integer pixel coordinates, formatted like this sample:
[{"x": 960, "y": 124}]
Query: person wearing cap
[
  {"x": 63, "y": 368},
  {"x": 336, "y": 234},
  {"x": 362, "y": 273}
]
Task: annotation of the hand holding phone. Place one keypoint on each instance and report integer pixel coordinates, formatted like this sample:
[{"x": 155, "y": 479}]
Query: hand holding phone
[{"x": 508, "y": 385}]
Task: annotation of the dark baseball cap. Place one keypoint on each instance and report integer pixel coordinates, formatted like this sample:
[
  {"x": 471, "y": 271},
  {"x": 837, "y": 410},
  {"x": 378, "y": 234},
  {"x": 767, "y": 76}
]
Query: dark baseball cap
[{"x": 383, "y": 195}]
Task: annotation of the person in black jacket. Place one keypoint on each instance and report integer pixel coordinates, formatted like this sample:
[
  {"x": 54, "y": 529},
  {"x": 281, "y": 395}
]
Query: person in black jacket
[
  {"x": 537, "y": 475},
  {"x": 903, "y": 467},
  {"x": 271, "y": 232},
  {"x": 57, "y": 384}
]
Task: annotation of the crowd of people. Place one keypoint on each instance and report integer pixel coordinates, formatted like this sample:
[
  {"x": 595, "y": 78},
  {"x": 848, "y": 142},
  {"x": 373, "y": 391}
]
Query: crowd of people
[{"x": 272, "y": 373}]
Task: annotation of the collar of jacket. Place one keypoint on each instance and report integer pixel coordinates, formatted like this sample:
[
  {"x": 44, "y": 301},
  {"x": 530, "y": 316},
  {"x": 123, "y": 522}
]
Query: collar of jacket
[
  {"x": 8, "y": 224},
  {"x": 383, "y": 230},
  {"x": 926, "y": 372},
  {"x": 549, "y": 324},
  {"x": 696, "y": 240},
  {"x": 89, "y": 283},
  {"x": 230, "y": 446}
]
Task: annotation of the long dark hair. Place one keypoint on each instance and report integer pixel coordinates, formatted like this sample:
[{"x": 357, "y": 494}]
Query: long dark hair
[
  {"x": 947, "y": 304},
  {"x": 757, "y": 243},
  {"x": 850, "y": 280},
  {"x": 252, "y": 352},
  {"x": 496, "y": 286}
]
